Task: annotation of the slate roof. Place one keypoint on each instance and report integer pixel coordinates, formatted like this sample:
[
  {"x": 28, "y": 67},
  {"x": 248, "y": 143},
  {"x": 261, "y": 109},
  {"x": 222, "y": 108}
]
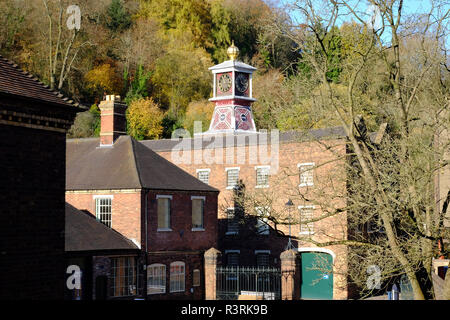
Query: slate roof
[
  {"x": 128, "y": 164},
  {"x": 16, "y": 82},
  {"x": 84, "y": 233},
  {"x": 245, "y": 139}
]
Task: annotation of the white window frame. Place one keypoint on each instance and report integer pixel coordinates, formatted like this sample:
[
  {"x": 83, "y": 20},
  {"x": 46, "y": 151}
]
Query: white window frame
[
  {"x": 162, "y": 278},
  {"x": 264, "y": 224},
  {"x": 237, "y": 182},
  {"x": 268, "y": 175},
  {"x": 310, "y": 229},
  {"x": 181, "y": 277},
  {"x": 100, "y": 197},
  {"x": 164, "y": 196},
  {"x": 307, "y": 184},
  {"x": 203, "y": 170},
  {"x": 231, "y": 232},
  {"x": 202, "y": 228}
]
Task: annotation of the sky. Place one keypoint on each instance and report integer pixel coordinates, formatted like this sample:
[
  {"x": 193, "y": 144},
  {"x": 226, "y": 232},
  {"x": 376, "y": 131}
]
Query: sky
[{"x": 409, "y": 7}]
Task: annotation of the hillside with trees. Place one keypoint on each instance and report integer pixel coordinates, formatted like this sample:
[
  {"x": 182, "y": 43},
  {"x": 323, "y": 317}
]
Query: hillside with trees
[{"x": 156, "y": 50}]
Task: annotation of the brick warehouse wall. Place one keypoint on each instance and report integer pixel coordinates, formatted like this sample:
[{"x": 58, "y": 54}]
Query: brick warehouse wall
[
  {"x": 32, "y": 208},
  {"x": 180, "y": 244},
  {"x": 182, "y": 237},
  {"x": 193, "y": 260},
  {"x": 329, "y": 187},
  {"x": 126, "y": 209}
]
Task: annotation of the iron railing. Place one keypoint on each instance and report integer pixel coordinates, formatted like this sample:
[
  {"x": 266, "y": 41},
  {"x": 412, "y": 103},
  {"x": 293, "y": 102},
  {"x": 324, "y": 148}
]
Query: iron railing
[{"x": 254, "y": 282}]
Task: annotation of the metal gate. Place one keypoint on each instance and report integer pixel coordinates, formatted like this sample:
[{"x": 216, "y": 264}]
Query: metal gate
[{"x": 252, "y": 283}]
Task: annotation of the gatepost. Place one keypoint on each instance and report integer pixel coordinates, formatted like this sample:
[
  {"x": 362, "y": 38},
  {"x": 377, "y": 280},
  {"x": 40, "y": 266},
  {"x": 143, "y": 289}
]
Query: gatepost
[
  {"x": 290, "y": 275},
  {"x": 212, "y": 260}
]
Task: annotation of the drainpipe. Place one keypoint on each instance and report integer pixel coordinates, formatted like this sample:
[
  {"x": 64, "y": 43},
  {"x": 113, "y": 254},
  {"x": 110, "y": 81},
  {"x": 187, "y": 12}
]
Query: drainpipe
[{"x": 146, "y": 241}]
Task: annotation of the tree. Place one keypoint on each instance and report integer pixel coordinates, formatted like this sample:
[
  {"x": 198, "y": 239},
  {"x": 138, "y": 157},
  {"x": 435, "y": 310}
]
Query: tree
[
  {"x": 13, "y": 22},
  {"x": 198, "y": 111},
  {"x": 144, "y": 119},
  {"x": 391, "y": 180},
  {"x": 118, "y": 18},
  {"x": 63, "y": 47},
  {"x": 104, "y": 78},
  {"x": 86, "y": 124},
  {"x": 181, "y": 76}
]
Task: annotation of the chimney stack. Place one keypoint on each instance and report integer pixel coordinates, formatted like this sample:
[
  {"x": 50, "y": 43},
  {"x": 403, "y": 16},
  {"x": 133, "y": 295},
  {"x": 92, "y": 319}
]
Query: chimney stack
[{"x": 113, "y": 121}]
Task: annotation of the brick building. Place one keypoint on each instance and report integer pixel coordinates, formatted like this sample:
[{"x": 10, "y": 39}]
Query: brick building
[
  {"x": 305, "y": 166},
  {"x": 170, "y": 215},
  {"x": 100, "y": 255},
  {"x": 33, "y": 125}
]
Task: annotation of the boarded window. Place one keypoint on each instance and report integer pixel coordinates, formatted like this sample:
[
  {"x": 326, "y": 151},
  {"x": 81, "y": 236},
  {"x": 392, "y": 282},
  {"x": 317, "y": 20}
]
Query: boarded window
[
  {"x": 163, "y": 213},
  {"x": 197, "y": 213},
  {"x": 196, "y": 278}
]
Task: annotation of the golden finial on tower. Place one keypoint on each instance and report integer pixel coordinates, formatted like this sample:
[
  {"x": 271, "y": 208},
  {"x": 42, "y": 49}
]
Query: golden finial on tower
[{"x": 233, "y": 51}]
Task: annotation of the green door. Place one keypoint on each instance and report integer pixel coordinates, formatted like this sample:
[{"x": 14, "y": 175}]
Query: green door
[{"x": 316, "y": 276}]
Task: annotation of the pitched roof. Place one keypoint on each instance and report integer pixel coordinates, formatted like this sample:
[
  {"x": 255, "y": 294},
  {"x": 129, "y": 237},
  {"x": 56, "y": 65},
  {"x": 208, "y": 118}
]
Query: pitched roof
[
  {"x": 84, "y": 233},
  {"x": 14, "y": 81},
  {"x": 232, "y": 64},
  {"x": 127, "y": 164},
  {"x": 243, "y": 139}
]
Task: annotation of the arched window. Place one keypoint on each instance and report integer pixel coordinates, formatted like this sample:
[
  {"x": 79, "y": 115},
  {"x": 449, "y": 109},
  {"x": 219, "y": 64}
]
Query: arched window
[
  {"x": 156, "y": 278},
  {"x": 177, "y": 276}
]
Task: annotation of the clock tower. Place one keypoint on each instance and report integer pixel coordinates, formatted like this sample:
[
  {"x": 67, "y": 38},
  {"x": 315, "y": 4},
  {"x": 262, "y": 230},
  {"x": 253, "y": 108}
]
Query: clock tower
[{"x": 232, "y": 96}]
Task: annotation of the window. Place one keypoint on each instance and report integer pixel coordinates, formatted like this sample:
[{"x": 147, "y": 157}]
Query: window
[
  {"x": 232, "y": 223},
  {"x": 203, "y": 175},
  {"x": 262, "y": 177},
  {"x": 123, "y": 277},
  {"x": 232, "y": 257},
  {"x": 232, "y": 177},
  {"x": 103, "y": 209},
  {"x": 196, "y": 278},
  {"x": 262, "y": 227},
  {"x": 198, "y": 204},
  {"x": 306, "y": 174},
  {"x": 306, "y": 214},
  {"x": 177, "y": 276},
  {"x": 164, "y": 212},
  {"x": 156, "y": 279},
  {"x": 262, "y": 258}
]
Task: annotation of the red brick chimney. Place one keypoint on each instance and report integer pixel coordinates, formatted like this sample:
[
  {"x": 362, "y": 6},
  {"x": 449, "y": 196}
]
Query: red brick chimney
[{"x": 113, "y": 121}]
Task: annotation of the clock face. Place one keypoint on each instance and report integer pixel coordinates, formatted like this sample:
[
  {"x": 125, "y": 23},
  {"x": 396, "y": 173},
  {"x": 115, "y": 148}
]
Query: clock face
[
  {"x": 224, "y": 83},
  {"x": 241, "y": 83}
]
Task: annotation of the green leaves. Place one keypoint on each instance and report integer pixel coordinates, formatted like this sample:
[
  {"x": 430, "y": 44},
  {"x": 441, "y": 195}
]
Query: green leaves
[{"x": 118, "y": 18}]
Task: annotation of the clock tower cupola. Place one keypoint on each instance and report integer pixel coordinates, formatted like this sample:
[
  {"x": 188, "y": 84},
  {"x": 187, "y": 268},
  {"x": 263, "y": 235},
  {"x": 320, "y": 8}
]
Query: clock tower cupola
[{"x": 232, "y": 96}]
